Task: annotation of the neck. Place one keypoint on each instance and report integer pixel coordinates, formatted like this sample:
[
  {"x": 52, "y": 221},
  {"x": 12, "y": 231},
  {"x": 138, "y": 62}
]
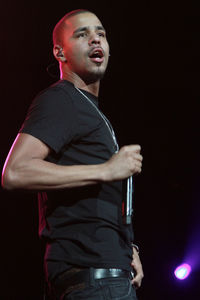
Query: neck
[{"x": 92, "y": 88}]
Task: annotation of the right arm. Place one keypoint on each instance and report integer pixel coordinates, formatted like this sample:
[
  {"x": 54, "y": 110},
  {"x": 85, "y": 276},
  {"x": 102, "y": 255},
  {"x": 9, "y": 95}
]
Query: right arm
[{"x": 26, "y": 167}]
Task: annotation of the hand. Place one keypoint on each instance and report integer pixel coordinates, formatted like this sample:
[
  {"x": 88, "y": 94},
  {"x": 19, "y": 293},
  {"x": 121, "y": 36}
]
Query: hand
[
  {"x": 127, "y": 162},
  {"x": 137, "y": 266}
]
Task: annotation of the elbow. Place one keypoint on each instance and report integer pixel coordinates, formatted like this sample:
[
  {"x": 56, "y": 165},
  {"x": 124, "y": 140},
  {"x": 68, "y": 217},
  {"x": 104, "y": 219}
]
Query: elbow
[{"x": 9, "y": 179}]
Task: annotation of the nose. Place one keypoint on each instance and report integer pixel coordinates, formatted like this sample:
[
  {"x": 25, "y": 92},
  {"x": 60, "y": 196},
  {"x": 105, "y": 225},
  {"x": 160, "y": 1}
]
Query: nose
[{"x": 94, "y": 39}]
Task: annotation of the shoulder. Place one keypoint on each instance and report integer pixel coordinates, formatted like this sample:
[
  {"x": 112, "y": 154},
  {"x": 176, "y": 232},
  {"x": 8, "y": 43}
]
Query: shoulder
[
  {"x": 58, "y": 89},
  {"x": 56, "y": 96}
]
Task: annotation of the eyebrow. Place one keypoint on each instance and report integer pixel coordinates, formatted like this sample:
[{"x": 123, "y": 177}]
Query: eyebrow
[{"x": 85, "y": 28}]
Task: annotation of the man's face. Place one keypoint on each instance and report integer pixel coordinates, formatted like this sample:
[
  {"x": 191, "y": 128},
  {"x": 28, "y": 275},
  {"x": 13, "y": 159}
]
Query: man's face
[{"x": 85, "y": 46}]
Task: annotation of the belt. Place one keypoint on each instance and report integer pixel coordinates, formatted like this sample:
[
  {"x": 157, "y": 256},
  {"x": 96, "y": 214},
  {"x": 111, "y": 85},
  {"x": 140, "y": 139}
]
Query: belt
[
  {"x": 77, "y": 278},
  {"x": 107, "y": 273}
]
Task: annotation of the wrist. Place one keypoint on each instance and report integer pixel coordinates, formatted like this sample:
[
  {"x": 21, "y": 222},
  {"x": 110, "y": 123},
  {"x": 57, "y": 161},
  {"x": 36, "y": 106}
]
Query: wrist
[{"x": 103, "y": 172}]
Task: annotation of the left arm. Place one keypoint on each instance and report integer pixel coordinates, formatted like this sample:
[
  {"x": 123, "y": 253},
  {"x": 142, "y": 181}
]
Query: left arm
[{"x": 138, "y": 270}]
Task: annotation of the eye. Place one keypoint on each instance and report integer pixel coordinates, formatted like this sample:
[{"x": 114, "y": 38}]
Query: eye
[
  {"x": 82, "y": 34},
  {"x": 102, "y": 34}
]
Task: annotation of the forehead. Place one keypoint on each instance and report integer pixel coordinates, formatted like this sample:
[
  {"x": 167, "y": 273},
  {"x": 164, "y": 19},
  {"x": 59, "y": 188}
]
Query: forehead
[{"x": 82, "y": 20}]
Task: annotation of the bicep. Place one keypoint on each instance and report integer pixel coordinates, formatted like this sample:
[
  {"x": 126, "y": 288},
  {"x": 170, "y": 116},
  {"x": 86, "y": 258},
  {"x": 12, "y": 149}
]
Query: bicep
[{"x": 26, "y": 147}]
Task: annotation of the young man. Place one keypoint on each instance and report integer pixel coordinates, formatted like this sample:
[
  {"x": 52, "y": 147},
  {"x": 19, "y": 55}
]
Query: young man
[{"x": 67, "y": 151}]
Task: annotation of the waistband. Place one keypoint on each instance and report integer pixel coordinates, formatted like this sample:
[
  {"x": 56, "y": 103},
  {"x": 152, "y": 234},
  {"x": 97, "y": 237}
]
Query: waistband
[{"x": 79, "y": 278}]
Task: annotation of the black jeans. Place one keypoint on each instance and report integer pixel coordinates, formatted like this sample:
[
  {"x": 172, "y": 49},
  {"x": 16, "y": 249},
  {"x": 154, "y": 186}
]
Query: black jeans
[
  {"x": 105, "y": 289},
  {"x": 92, "y": 284}
]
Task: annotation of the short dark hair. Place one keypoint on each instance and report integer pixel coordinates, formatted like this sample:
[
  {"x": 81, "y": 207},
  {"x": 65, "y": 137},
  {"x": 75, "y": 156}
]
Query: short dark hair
[{"x": 58, "y": 29}]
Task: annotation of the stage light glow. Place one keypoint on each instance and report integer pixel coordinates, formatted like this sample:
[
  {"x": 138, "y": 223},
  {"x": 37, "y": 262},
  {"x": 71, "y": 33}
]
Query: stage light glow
[{"x": 182, "y": 271}]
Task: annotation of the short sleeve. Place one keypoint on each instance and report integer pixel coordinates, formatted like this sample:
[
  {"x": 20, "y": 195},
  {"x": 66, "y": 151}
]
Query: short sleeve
[{"x": 51, "y": 118}]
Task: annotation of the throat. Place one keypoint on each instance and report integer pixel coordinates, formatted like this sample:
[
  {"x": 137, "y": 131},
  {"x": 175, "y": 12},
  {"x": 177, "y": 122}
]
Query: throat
[
  {"x": 88, "y": 85},
  {"x": 92, "y": 88}
]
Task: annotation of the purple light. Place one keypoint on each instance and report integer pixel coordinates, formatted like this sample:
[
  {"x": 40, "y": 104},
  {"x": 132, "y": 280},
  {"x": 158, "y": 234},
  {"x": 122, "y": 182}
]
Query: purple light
[{"x": 183, "y": 271}]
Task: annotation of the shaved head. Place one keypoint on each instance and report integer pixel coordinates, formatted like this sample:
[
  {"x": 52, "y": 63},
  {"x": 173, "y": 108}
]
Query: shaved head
[
  {"x": 76, "y": 37},
  {"x": 61, "y": 25}
]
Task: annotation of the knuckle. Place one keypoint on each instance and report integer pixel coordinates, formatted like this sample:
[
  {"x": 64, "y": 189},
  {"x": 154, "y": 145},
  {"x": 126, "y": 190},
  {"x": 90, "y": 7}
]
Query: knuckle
[
  {"x": 133, "y": 165},
  {"x": 126, "y": 149},
  {"x": 138, "y": 147}
]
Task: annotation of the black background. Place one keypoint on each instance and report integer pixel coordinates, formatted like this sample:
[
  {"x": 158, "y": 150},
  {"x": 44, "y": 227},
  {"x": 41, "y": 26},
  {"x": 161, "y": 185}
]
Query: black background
[{"x": 151, "y": 94}]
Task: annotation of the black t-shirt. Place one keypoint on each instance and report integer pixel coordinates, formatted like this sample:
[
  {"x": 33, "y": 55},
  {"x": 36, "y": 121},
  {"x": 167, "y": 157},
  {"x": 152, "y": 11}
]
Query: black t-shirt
[{"x": 81, "y": 226}]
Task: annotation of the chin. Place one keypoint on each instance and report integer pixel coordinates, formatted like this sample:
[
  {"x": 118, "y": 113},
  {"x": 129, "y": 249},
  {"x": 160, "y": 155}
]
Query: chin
[{"x": 95, "y": 75}]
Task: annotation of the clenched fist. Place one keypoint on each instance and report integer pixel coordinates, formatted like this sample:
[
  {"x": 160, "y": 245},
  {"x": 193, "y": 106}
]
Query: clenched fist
[{"x": 127, "y": 162}]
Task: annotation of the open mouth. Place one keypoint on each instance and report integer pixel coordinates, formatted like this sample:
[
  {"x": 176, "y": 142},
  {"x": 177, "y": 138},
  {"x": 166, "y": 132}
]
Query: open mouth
[{"x": 97, "y": 55}]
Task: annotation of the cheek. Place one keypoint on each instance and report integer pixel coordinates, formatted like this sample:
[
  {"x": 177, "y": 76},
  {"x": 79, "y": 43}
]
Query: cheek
[
  {"x": 77, "y": 56},
  {"x": 106, "y": 47}
]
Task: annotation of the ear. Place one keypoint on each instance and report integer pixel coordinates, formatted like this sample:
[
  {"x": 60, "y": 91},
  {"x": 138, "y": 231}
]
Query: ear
[{"x": 58, "y": 53}]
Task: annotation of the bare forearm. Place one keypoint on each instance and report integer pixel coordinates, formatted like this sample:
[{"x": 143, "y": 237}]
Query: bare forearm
[
  {"x": 28, "y": 169},
  {"x": 38, "y": 174}
]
